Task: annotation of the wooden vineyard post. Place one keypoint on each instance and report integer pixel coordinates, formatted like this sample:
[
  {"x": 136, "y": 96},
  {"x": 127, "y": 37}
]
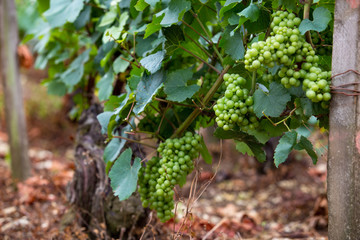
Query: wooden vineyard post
[
  {"x": 344, "y": 138},
  {"x": 10, "y": 77}
]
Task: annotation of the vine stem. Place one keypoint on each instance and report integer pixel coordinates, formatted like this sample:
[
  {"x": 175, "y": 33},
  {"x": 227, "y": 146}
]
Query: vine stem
[
  {"x": 306, "y": 15},
  {"x": 207, "y": 98},
  {"x": 199, "y": 58},
  {"x": 208, "y": 35},
  {"x": 198, "y": 45},
  {"x": 253, "y": 83},
  {"x": 135, "y": 141}
]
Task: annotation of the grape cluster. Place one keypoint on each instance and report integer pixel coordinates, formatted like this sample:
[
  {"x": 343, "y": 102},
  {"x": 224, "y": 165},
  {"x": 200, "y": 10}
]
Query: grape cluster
[
  {"x": 208, "y": 81},
  {"x": 284, "y": 41},
  {"x": 317, "y": 86},
  {"x": 236, "y": 107},
  {"x": 299, "y": 64},
  {"x": 157, "y": 180}
]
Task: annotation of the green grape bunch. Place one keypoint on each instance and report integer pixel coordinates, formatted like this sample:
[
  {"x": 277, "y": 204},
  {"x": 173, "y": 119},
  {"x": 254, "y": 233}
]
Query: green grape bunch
[
  {"x": 298, "y": 62},
  {"x": 236, "y": 107},
  {"x": 158, "y": 179}
]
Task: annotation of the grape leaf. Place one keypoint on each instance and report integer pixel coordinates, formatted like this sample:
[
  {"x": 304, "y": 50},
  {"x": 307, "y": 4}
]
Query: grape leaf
[
  {"x": 250, "y": 141},
  {"x": 146, "y": 89},
  {"x": 62, "y": 11},
  {"x": 152, "y": 2},
  {"x": 233, "y": 45},
  {"x": 153, "y": 62},
  {"x": 74, "y": 73},
  {"x": 120, "y": 65},
  {"x": 175, "y": 11},
  {"x": 114, "y": 147},
  {"x": 286, "y": 144},
  {"x": 174, "y": 37},
  {"x": 287, "y": 4},
  {"x": 154, "y": 26},
  {"x": 176, "y": 86},
  {"x": 108, "y": 18},
  {"x": 83, "y": 18},
  {"x": 205, "y": 152},
  {"x": 105, "y": 85},
  {"x": 252, "y": 12},
  {"x": 305, "y": 144},
  {"x": 229, "y": 4},
  {"x": 113, "y": 33},
  {"x": 273, "y": 103},
  {"x": 56, "y": 87},
  {"x": 104, "y": 119},
  {"x": 321, "y": 16},
  {"x": 141, "y": 5},
  {"x": 123, "y": 176},
  {"x": 256, "y": 152}
]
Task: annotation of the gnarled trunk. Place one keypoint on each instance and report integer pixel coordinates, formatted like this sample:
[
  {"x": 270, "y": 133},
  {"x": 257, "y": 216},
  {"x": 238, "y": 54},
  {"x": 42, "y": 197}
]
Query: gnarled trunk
[{"x": 93, "y": 203}]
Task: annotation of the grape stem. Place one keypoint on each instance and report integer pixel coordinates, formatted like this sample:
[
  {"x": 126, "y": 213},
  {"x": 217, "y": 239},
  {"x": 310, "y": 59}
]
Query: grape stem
[
  {"x": 135, "y": 141},
  {"x": 306, "y": 15},
  {"x": 208, "y": 35},
  {"x": 253, "y": 83},
  {"x": 207, "y": 98},
  {"x": 199, "y": 58},
  {"x": 198, "y": 45}
]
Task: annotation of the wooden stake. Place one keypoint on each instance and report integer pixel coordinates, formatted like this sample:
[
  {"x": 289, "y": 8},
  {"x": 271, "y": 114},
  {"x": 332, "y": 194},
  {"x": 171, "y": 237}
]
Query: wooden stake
[
  {"x": 9, "y": 74},
  {"x": 344, "y": 139}
]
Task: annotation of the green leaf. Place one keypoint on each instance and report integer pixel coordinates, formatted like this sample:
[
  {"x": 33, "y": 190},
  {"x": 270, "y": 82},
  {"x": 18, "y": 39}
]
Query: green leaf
[
  {"x": 182, "y": 180},
  {"x": 56, "y": 87},
  {"x": 257, "y": 152},
  {"x": 205, "y": 152},
  {"x": 104, "y": 119},
  {"x": 250, "y": 141},
  {"x": 174, "y": 37},
  {"x": 141, "y": 5},
  {"x": 120, "y": 65},
  {"x": 192, "y": 47},
  {"x": 123, "y": 176},
  {"x": 152, "y": 3},
  {"x": 233, "y": 45},
  {"x": 105, "y": 85},
  {"x": 109, "y": 17},
  {"x": 321, "y": 16},
  {"x": 114, "y": 147},
  {"x": 154, "y": 26},
  {"x": 113, "y": 33},
  {"x": 175, "y": 11},
  {"x": 148, "y": 86},
  {"x": 287, "y": 4},
  {"x": 325, "y": 63},
  {"x": 273, "y": 103},
  {"x": 252, "y": 12},
  {"x": 260, "y": 25},
  {"x": 305, "y": 144},
  {"x": 152, "y": 63},
  {"x": 229, "y": 4},
  {"x": 283, "y": 149},
  {"x": 74, "y": 73},
  {"x": 83, "y": 18},
  {"x": 62, "y": 11},
  {"x": 176, "y": 86}
]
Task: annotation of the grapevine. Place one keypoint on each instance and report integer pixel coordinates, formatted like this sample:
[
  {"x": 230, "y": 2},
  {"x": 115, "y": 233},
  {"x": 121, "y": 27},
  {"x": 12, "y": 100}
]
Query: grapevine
[{"x": 165, "y": 69}]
